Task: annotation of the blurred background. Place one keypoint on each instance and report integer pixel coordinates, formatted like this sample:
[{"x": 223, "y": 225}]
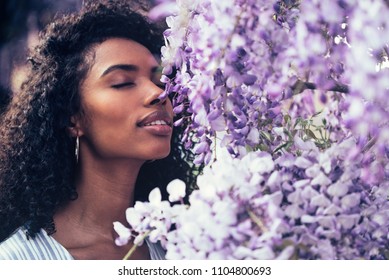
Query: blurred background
[{"x": 20, "y": 23}]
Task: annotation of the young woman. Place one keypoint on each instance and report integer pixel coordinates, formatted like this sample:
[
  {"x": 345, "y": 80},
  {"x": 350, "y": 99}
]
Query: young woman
[{"x": 86, "y": 137}]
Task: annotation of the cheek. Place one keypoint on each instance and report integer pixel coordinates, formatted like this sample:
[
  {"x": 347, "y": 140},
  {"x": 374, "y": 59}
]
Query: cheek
[
  {"x": 107, "y": 109},
  {"x": 107, "y": 121}
]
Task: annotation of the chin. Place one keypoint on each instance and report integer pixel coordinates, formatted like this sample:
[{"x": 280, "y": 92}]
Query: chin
[{"x": 160, "y": 153}]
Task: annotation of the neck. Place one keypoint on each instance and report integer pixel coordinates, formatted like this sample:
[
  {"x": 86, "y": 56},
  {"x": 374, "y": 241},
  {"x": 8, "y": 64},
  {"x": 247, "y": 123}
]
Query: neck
[{"x": 105, "y": 190}]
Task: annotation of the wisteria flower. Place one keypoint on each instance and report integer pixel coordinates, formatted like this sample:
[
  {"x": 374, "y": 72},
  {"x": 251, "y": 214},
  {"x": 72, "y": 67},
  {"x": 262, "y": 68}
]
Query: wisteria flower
[
  {"x": 285, "y": 102},
  {"x": 176, "y": 190}
]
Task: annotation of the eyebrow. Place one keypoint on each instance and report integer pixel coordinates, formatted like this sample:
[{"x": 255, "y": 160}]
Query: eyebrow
[
  {"x": 129, "y": 68},
  {"x": 124, "y": 67}
]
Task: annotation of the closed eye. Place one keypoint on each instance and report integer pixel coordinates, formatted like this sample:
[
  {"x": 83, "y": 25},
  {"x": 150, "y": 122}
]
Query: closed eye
[{"x": 127, "y": 84}]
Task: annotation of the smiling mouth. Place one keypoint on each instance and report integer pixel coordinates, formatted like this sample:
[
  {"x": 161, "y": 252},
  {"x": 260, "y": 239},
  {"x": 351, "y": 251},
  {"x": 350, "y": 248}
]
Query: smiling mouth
[
  {"x": 158, "y": 122},
  {"x": 158, "y": 128},
  {"x": 156, "y": 118}
]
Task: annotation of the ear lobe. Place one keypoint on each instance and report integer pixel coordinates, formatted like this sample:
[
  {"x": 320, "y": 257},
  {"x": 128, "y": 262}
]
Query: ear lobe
[{"x": 74, "y": 129}]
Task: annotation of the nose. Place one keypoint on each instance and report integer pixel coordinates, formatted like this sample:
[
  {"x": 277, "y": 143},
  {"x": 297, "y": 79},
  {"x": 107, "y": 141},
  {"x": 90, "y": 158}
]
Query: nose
[{"x": 154, "y": 95}]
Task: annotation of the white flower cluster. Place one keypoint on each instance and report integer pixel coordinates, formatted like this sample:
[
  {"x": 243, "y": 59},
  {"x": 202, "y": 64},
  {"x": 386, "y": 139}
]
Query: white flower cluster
[
  {"x": 311, "y": 206},
  {"x": 152, "y": 219}
]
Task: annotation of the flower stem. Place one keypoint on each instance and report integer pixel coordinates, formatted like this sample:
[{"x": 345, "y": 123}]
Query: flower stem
[
  {"x": 257, "y": 221},
  {"x": 133, "y": 248},
  {"x": 300, "y": 86}
]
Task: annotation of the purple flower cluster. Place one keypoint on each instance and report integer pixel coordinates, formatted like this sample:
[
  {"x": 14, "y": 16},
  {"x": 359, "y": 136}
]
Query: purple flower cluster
[
  {"x": 337, "y": 43},
  {"x": 240, "y": 67},
  {"x": 286, "y": 103},
  {"x": 217, "y": 84}
]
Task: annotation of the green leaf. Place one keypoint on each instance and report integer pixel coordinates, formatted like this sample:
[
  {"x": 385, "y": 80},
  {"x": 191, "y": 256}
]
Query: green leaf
[
  {"x": 266, "y": 135},
  {"x": 316, "y": 114},
  {"x": 310, "y": 133},
  {"x": 287, "y": 118},
  {"x": 281, "y": 147}
]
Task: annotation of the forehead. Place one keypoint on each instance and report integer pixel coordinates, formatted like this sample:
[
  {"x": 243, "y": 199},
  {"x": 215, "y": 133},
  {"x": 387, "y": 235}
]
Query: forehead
[{"x": 121, "y": 51}]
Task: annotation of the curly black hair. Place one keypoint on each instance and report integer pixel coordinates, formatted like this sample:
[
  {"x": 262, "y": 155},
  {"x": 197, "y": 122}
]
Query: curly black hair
[
  {"x": 37, "y": 162},
  {"x": 5, "y": 97}
]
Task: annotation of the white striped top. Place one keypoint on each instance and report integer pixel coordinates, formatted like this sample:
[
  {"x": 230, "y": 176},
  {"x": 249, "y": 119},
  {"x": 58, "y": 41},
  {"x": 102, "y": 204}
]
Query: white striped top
[{"x": 45, "y": 247}]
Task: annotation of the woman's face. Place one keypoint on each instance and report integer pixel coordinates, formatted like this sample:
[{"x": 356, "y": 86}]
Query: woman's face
[{"x": 122, "y": 115}]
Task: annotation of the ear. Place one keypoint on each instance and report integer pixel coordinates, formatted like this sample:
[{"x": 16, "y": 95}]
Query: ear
[{"x": 75, "y": 128}]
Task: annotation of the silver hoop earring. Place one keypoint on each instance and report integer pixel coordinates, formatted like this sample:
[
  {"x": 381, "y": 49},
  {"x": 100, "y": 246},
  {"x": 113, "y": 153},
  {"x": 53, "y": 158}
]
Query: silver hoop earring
[{"x": 77, "y": 149}]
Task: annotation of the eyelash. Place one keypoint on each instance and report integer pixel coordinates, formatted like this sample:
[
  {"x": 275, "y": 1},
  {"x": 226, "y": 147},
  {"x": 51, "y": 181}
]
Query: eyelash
[{"x": 129, "y": 84}]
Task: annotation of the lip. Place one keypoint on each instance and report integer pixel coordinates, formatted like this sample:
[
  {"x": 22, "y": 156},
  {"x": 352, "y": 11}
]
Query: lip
[{"x": 158, "y": 129}]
